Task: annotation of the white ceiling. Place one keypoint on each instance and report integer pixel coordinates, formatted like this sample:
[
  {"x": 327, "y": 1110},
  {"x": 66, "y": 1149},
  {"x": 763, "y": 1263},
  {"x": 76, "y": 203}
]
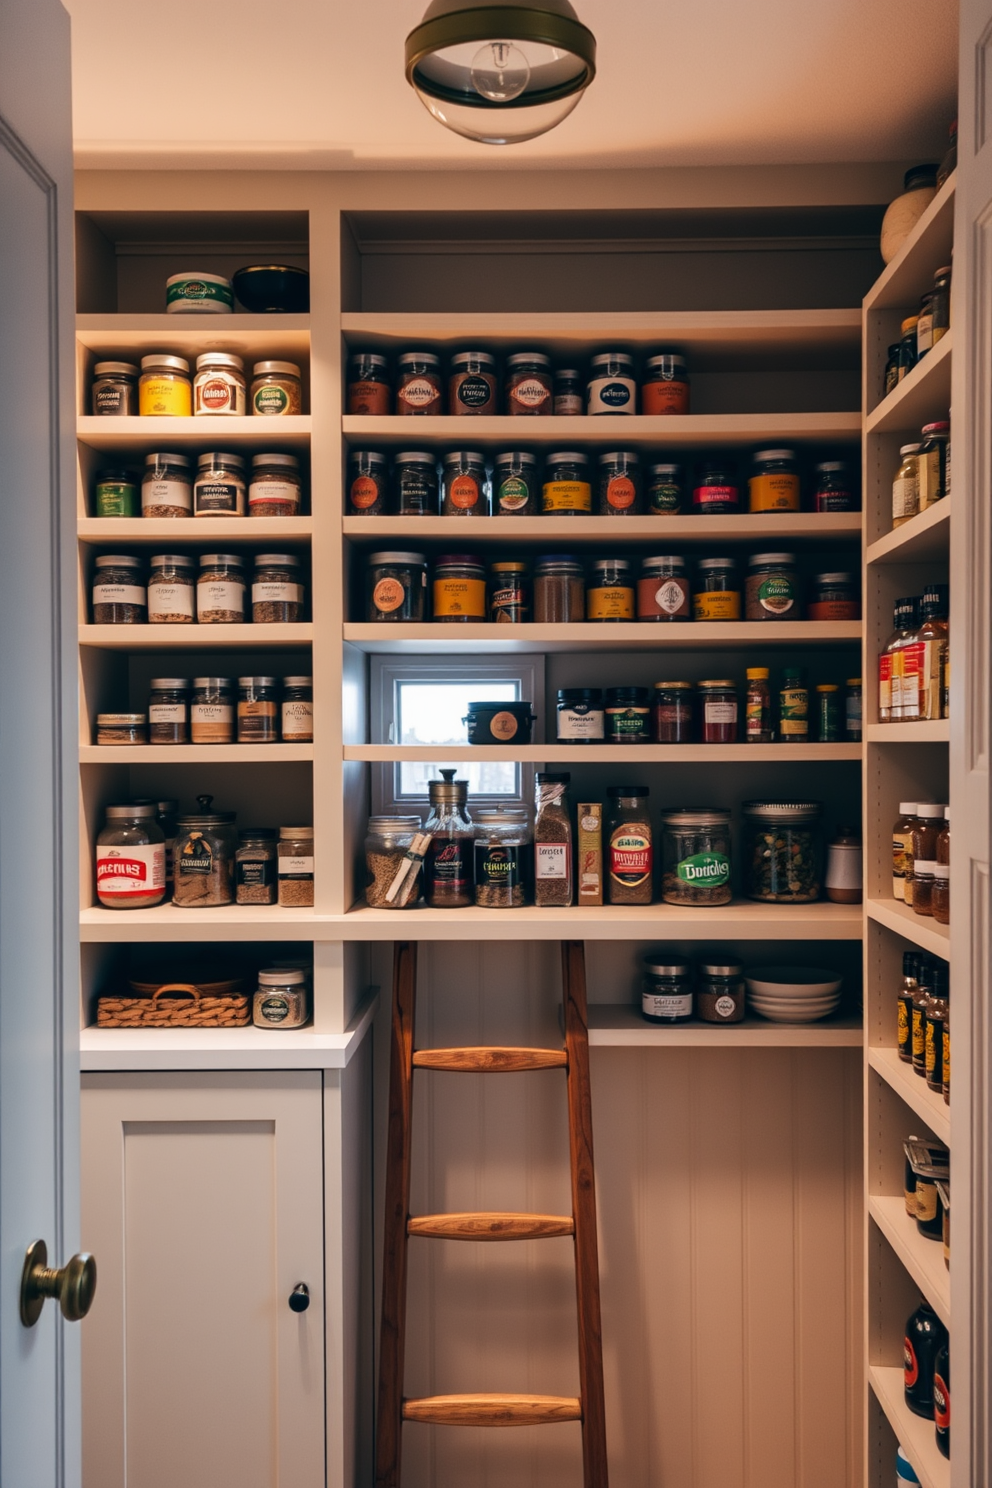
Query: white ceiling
[{"x": 319, "y": 84}]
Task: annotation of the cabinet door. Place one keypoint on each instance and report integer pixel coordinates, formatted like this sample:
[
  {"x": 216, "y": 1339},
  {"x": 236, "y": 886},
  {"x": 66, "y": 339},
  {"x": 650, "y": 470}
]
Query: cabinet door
[{"x": 203, "y": 1199}]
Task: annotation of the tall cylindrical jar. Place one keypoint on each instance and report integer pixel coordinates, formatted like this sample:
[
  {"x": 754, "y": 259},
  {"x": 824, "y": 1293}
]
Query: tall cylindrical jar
[{"x": 448, "y": 867}]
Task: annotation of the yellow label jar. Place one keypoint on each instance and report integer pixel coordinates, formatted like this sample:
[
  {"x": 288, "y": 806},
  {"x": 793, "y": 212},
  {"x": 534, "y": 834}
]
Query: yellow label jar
[
  {"x": 567, "y": 489},
  {"x": 774, "y": 484},
  {"x": 717, "y": 595},
  {"x": 610, "y": 595},
  {"x": 459, "y": 589},
  {"x": 165, "y": 389}
]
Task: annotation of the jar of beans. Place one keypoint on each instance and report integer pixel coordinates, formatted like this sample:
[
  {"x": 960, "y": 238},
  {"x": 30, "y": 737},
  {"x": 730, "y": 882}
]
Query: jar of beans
[
  {"x": 171, "y": 589},
  {"x": 276, "y": 488},
  {"x": 277, "y": 592},
  {"x": 220, "y": 590},
  {"x": 119, "y": 593}
]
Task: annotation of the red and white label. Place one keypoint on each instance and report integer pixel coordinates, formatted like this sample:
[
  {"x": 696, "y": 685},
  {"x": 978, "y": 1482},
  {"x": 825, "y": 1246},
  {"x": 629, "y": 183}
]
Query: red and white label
[{"x": 130, "y": 871}]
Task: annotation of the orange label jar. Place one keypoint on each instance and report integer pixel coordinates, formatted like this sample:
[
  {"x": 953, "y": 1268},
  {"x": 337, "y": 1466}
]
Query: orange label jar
[
  {"x": 774, "y": 484},
  {"x": 665, "y": 389},
  {"x": 463, "y": 488},
  {"x": 610, "y": 593},
  {"x": 368, "y": 384},
  {"x": 418, "y": 388},
  {"x": 459, "y": 589},
  {"x": 619, "y": 484},
  {"x": 835, "y": 598}
]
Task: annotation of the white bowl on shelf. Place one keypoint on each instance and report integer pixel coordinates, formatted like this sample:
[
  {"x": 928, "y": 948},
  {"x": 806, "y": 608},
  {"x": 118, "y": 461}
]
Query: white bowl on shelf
[
  {"x": 795, "y": 1004},
  {"x": 801, "y": 982},
  {"x": 797, "y": 1012}
]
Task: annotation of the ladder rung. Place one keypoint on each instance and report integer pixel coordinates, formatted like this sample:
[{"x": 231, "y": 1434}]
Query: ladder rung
[
  {"x": 490, "y": 1061},
  {"x": 493, "y": 1410},
  {"x": 491, "y": 1226}
]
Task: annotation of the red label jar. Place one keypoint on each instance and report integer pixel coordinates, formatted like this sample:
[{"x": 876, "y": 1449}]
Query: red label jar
[
  {"x": 671, "y": 718},
  {"x": 716, "y": 490},
  {"x": 472, "y": 384},
  {"x": 368, "y": 384},
  {"x": 663, "y": 590},
  {"x": 718, "y": 711},
  {"x": 418, "y": 386},
  {"x": 835, "y": 597},
  {"x": 665, "y": 389},
  {"x": 529, "y": 383},
  {"x": 619, "y": 484}
]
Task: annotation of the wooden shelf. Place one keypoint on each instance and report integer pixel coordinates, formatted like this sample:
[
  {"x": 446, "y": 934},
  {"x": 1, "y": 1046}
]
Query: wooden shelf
[
  {"x": 925, "y": 538},
  {"x": 926, "y": 249},
  {"x": 816, "y": 527},
  {"x": 602, "y": 754},
  {"x": 915, "y": 731},
  {"x": 922, "y": 930},
  {"x": 922, "y": 1258},
  {"x": 634, "y": 431},
  {"x": 614, "y": 1025},
  {"x": 194, "y": 754},
  {"x": 135, "y": 435},
  {"x": 263, "y": 336},
  {"x": 195, "y": 637},
  {"x": 232, "y": 922},
  {"x": 910, "y": 1088},
  {"x": 923, "y": 396},
  {"x": 740, "y": 635},
  {"x": 914, "y": 1433},
  {"x": 158, "y": 530}
]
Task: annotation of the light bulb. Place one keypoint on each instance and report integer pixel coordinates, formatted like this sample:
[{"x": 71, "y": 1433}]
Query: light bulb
[{"x": 500, "y": 71}]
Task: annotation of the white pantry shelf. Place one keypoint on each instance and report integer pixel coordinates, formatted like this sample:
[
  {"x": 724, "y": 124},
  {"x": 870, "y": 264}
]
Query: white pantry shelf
[
  {"x": 927, "y": 248},
  {"x": 923, "y": 396},
  {"x": 615, "y": 1025},
  {"x": 914, "y": 731},
  {"x": 914, "y": 1433},
  {"x": 195, "y": 754},
  {"x": 922, "y": 1258},
  {"x": 257, "y": 530},
  {"x": 899, "y": 1076},
  {"x": 131, "y": 435},
  {"x": 198, "y": 637},
  {"x": 636, "y": 431},
  {"x": 925, "y": 538},
  {"x": 794, "y": 526},
  {"x": 604, "y": 754},
  {"x": 739, "y": 635},
  {"x": 922, "y": 930}
]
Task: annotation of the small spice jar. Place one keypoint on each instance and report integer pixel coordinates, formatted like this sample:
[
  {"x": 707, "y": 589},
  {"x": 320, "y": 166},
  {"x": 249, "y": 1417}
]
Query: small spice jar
[
  {"x": 569, "y": 399},
  {"x": 619, "y": 484},
  {"x": 612, "y": 387},
  {"x": 295, "y": 867},
  {"x": 116, "y": 493},
  {"x": 559, "y": 589},
  {"x": 906, "y": 485},
  {"x": 164, "y": 387},
  {"x": 276, "y": 389},
  {"x": 121, "y": 728},
  {"x": 278, "y": 594},
  {"x": 171, "y": 588},
  {"x": 672, "y": 714},
  {"x": 276, "y": 487},
  {"x": 829, "y": 717},
  {"x": 553, "y": 867},
  {"x": 472, "y": 384},
  {"x": 774, "y": 482},
  {"x": 720, "y": 994},
  {"x": 782, "y": 851},
  {"x": 771, "y": 590},
  {"x": 255, "y": 867},
  {"x": 220, "y": 487},
  {"x": 924, "y": 872},
  {"x": 297, "y": 710},
  {"x": 203, "y": 858},
  {"x": 167, "y": 486},
  {"x": 367, "y": 483},
  {"x": 503, "y": 849},
  {"x": 567, "y": 491},
  {"x": 933, "y": 462},
  {"x": 716, "y": 492},
  {"x": 397, "y": 587},
  {"x": 665, "y": 493},
  {"x": 718, "y": 711},
  {"x": 629, "y": 846},
  {"x": 515, "y": 485},
  {"x": 418, "y": 386},
  {"x": 211, "y": 712},
  {"x": 415, "y": 484},
  {"x": 387, "y": 847},
  {"x": 835, "y": 597},
  {"x": 258, "y": 710},
  {"x": 852, "y": 710},
  {"x": 529, "y": 384},
  {"x": 459, "y": 589},
  {"x": 941, "y": 305},
  {"x": 464, "y": 489},
  {"x": 580, "y": 718},
  {"x": 793, "y": 707},
  {"x": 281, "y": 1000},
  {"x": 610, "y": 593},
  {"x": 168, "y": 710},
  {"x": 758, "y": 725},
  {"x": 834, "y": 488},
  {"x": 696, "y": 857},
  {"x": 130, "y": 858},
  {"x": 666, "y": 990},
  {"x": 119, "y": 594},
  {"x": 663, "y": 590},
  {"x": 114, "y": 390},
  {"x": 219, "y": 386},
  {"x": 665, "y": 389},
  {"x": 940, "y": 894},
  {"x": 628, "y": 715},
  {"x": 509, "y": 597},
  {"x": 220, "y": 590},
  {"x": 717, "y": 595},
  {"x": 368, "y": 384}
]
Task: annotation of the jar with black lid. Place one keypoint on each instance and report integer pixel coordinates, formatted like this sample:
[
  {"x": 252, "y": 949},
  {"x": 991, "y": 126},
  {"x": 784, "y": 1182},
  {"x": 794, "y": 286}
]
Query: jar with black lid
[
  {"x": 119, "y": 593},
  {"x": 665, "y": 489},
  {"x": 418, "y": 384},
  {"x": 666, "y": 995},
  {"x": 368, "y": 384},
  {"x": 672, "y": 716},
  {"x": 717, "y": 491},
  {"x": 415, "y": 484},
  {"x": 114, "y": 390},
  {"x": 529, "y": 385},
  {"x": 258, "y": 710},
  {"x": 569, "y": 400},
  {"x": 297, "y": 710},
  {"x": 717, "y": 595},
  {"x": 836, "y": 596},
  {"x": 619, "y": 484},
  {"x": 464, "y": 488},
  {"x": 834, "y": 488},
  {"x": 397, "y": 587},
  {"x": 891, "y": 375},
  {"x": 171, "y": 589},
  {"x": 580, "y": 718},
  {"x": 567, "y": 491},
  {"x": 509, "y": 597},
  {"x": 628, "y": 715},
  {"x": 515, "y": 485},
  {"x": 665, "y": 388},
  {"x": 366, "y": 483},
  {"x": 720, "y": 992},
  {"x": 610, "y": 593},
  {"x": 168, "y": 710},
  {"x": 472, "y": 384}
]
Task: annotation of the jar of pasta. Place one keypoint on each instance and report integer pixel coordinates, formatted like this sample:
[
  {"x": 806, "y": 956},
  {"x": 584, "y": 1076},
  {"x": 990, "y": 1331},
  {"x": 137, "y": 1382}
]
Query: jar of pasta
[
  {"x": 718, "y": 594},
  {"x": 164, "y": 387},
  {"x": 610, "y": 594},
  {"x": 619, "y": 484},
  {"x": 464, "y": 488},
  {"x": 276, "y": 389},
  {"x": 567, "y": 491},
  {"x": 459, "y": 589}
]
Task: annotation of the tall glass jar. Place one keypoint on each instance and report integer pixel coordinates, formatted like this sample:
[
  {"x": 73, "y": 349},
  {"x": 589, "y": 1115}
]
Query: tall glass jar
[
  {"x": 629, "y": 846},
  {"x": 203, "y": 858},
  {"x": 295, "y": 865},
  {"x": 619, "y": 491},
  {"x": 297, "y": 710},
  {"x": 171, "y": 589},
  {"x": 502, "y": 858},
  {"x": 464, "y": 485},
  {"x": 130, "y": 858},
  {"x": 387, "y": 844},
  {"x": 168, "y": 710},
  {"x": 553, "y": 868},
  {"x": 258, "y": 709},
  {"x": 696, "y": 857},
  {"x": 416, "y": 490},
  {"x": 448, "y": 867},
  {"x": 559, "y": 589},
  {"x": 782, "y": 851}
]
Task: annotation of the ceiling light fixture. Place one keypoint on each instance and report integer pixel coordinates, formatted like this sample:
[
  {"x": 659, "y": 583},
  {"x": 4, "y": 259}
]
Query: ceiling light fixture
[{"x": 500, "y": 73}]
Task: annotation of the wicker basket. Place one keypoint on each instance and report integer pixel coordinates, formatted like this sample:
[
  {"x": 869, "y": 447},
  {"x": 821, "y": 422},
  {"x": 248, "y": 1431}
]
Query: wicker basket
[{"x": 212, "y": 1006}]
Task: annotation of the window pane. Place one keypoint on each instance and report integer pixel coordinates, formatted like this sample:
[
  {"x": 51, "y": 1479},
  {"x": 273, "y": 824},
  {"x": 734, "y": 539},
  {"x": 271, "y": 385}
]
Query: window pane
[{"x": 432, "y": 713}]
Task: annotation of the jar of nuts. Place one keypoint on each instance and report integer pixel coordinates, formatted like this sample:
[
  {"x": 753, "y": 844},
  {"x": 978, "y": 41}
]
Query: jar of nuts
[
  {"x": 170, "y": 589},
  {"x": 276, "y": 591},
  {"x": 295, "y": 852},
  {"x": 220, "y": 590}
]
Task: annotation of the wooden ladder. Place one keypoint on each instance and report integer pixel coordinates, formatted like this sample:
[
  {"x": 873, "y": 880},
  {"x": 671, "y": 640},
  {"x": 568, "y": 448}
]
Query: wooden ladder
[{"x": 490, "y": 1410}]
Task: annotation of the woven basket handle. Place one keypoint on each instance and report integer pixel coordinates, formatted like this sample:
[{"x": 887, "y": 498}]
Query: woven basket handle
[{"x": 194, "y": 992}]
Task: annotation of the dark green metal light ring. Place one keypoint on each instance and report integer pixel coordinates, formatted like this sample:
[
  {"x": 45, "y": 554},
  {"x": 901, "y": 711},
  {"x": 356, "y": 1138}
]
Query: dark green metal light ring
[{"x": 498, "y": 22}]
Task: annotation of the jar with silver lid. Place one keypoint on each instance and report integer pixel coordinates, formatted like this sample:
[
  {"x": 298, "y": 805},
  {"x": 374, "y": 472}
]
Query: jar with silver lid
[
  {"x": 276, "y": 389},
  {"x": 119, "y": 594},
  {"x": 203, "y": 857},
  {"x": 277, "y": 592},
  {"x": 612, "y": 387},
  {"x": 281, "y": 999},
  {"x": 219, "y": 489},
  {"x": 164, "y": 387},
  {"x": 276, "y": 487},
  {"x": 219, "y": 386},
  {"x": 114, "y": 390},
  {"x": 295, "y": 850},
  {"x": 464, "y": 485},
  {"x": 666, "y": 992},
  {"x": 220, "y": 590},
  {"x": 130, "y": 858},
  {"x": 168, "y": 710},
  {"x": 167, "y": 486},
  {"x": 258, "y": 710},
  {"x": 720, "y": 992},
  {"x": 211, "y": 714},
  {"x": 171, "y": 587}
]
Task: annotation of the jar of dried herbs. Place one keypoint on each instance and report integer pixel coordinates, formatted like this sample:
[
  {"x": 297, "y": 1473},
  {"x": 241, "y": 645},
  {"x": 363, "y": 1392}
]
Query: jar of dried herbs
[
  {"x": 121, "y": 728},
  {"x": 276, "y": 487},
  {"x": 502, "y": 853},
  {"x": 167, "y": 486},
  {"x": 277, "y": 593},
  {"x": 630, "y": 850},
  {"x": 119, "y": 594},
  {"x": 258, "y": 710},
  {"x": 782, "y": 851},
  {"x": 219, "y": 488},
  {"x": 295, "y": 853},
  {"x": 171, "y": 589},
  {"x": 255, "y": 866},
  {"x": 552, "y": 840},
  {"x": 220, "y": 590},
  {"x": 211, "y": 714},
  {"x": 203, "y": 858},
  {"x": 387, "y": 845},
  {"x": 168, "y": 710},
  {"x": 696, "y": 857},
  {"x": 666, "y": 992}
]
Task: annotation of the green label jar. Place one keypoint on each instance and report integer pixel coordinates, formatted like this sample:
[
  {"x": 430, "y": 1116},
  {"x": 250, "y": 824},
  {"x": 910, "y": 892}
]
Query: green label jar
[
  {"x": 771, "y": 591},
  {"x": 118, "y": 494}
]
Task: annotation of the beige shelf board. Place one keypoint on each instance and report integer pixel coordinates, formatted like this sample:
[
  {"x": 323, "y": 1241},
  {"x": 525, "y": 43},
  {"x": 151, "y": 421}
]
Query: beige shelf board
[
  {"x": 919, "y": 731},
  {"x": 130, "y": 435},
  {"x": 812, "y": 526},
  {"x": 927, "y": 248},
  {"x": 922, "y": 1258},
  {"x": 635, "y": 431},
  {"x": 922, "y": 930},
  {"x": 910, "y": 1088},
  {"x": 194, "y": 529},
  {"x": 195, "y": 754},
  {"x": 741, "y": 635},
  {"x": 924, "y": 538},
  {"x": 261, "y": 336},
  {"x": 923, "y": 395},
  {"x": 195, "y": 637},
  {"x": 614, "y": 1025},
  {"x": 232, "y": 922},
  {"x": 914, "y": 1433},
  {"x": 596, "y": 754}
]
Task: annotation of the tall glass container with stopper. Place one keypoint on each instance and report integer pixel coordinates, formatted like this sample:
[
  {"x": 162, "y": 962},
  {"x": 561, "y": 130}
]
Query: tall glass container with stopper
[{"x": 448, "y": 881}]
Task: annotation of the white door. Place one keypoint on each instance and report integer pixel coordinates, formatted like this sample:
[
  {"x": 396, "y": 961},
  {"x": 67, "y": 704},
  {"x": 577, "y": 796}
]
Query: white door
[{"x": 39, "y": 1015}]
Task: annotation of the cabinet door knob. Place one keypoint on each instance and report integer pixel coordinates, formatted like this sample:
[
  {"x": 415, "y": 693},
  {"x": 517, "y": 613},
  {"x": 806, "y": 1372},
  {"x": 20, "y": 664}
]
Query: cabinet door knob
[
  {"x": 299, "y": 1297},
  {"x": 73, "y": 1284}
]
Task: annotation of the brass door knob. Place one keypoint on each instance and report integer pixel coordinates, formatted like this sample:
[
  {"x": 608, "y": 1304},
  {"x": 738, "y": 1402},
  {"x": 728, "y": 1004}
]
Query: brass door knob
[{"x": 73, "y": 1284}]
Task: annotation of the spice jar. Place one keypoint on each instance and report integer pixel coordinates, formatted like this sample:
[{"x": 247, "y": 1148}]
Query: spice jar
[
  {"x": 906, "y": 360},
  {"x": 924, "y": 870},
  {"x": 758, "y": 727},
  {"x": 114, "y": 390},
  {"x": 906, "y": 485},
  {"x": 630, "y": 846},
  {"x": 276, "y": 487},
  {"x": 852, "y": 710},
  {"x": 941, "y": 303},
  {"x": 835, "y": 597},
  {"x": 397, "y": 586},
  {"x": 502, "y": 858},
  {"x": 924, "y": 325},
  {"x": 627, "y": 715},
  {"x": 834, "y": 489},
  {"x": 167, "y": 486},
  {"x": 619, "y": 484},
  {"x": 672, "y": 715},
  {"x": 665, "y": 490},
  {"x": 717, "y": 595},
  {"x": 771, "y": 591},
  {"x": 219, "y": 386},
  {"x": 552, "y": 840},
  {"x": 368, "y": 384},
  {"x": 415, "y": 484},
  {"x": 610, "y": 594},
  {"x": 718, "y": 711},
  {"x": 277, "y": 592},
  {"x": 515, "y": 485},
  {"x": 529, "y": 385},
  {"x": 793, "y": 707},
  {"x": 612, "y": 387},
  {"x": 297, "y": 710},
  {"x": 666, "y": 994},
  {"x": 566, "y": 491},
  {"x": 211, "y": 713},
  {"x": 663, "y": 590},
  {"x": 774, "y": 482},
  {"x": 569, "y": 400},
  {"x": 281, "y": 1000},
  {"x": 716, "y": 491},
  {"x": 257, "y": 710},
  {"x": 418, "y": 386},
  {"x": 448, "y": 866},
  {"x": 168, "y": 710},
  {"x": 559, "y": 589},
  {"x": 388, "y": 846},
  {"x": 720, "y": 994},
  {"x": 276, "y": 389},
  {"x": 842, "y": 880},
  {"x": 932, "y": 463},
  {"x": 121, "y": 728},
  {"x": 580, "y": 718},
  {"x": 696, "y": 857},
  {"x": 219, "y": 488},
  {"x": 130, "y": 858},
  {"x": 164, "y": 387},
  {"x": 116, "y": 493},
  {"x": 171, "y": 589},
  {"x": 472, "y": 384},
  {"x": 366, "y": 483},
  {"x": 203, "y": 858},
  {"x": 255, "y": 867},
  {"x": 119, "y": 595},
  {"x": 665, "y": 389},
  {"x": 829, "y": 719},
  {"x": 940, "y": 894},
  {"x": 464, "y": 489},
  {"x": 509, "y": 601},
  {"x": 782, "y": 851},
  {"x": 220, "y": 590},
  {"x": 459, "y": 589},
  {"x": 295, "y": 867}
]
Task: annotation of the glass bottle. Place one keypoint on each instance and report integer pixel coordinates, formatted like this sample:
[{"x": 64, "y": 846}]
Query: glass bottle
[
  {"x": 921, "y": 998},
  {"x": 630, "y": 846},
  {"x": 924, "y": 1335},
  {"x": 758, "y": 707},
  {"x": 904, "y": 1006},
  {"x": 448, "y": 866},
  {"x": 902, "y": 849},
  {"x": 889, "y": 674},
  {"x": 935, "y": 1019},
  {"x": 552, "y": 840},
  {"x": 852, "y": 710},
  {"x": 906, "y": 485},
  {"x": 793, "y": 709},
  {"x": 923, "y": 656}
]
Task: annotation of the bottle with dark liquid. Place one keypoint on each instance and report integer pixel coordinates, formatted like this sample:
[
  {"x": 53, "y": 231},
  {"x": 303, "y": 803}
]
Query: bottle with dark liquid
[
  {"x": 924, "y": 1335},
  {"x": 904, "y": 1006},
  {"x": 921, "y": 999},
  {"x": 942, "y": 1399},
  {"x": 448, "y": 868}
]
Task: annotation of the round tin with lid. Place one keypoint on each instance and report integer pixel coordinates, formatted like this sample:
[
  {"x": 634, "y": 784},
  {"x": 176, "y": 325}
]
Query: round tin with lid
[
  {"x": 529, "y": 383},
  {"x": 164, "y": 387},
  {"x": 472, "y": 384},
  {"x": 665, "y": 389},
  {"x": 190, "y": 293},
  {"x": 666, "y": 994},
  {"x": 121, "y": 728},
  {"x": 418, "y": 388},
  {"x": 114, "y": 390},
  {"x": 397, "y": 587},
  {"x": 499, "y": 723},
  {"x": 772, "y": 587},
  {"x": 663, "y": 589},
  {"x": 219, "y": 386},
  {"x": 567, "y": 491},
  {"x": 612, "y": 387}
]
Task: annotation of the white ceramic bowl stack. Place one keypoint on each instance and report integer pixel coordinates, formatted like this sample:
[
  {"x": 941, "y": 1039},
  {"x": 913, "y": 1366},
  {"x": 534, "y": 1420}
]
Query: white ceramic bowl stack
[{"x": 793, "y": 994}]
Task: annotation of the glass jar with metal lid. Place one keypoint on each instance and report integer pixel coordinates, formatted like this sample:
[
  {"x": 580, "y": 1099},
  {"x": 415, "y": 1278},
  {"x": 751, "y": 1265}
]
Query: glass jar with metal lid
[
  {"x": 515, "y": 485},
  {"x": 255, "y": 866},
  {"x": 567, "y": 491},
  {"x": 171, "y": 589},
  {"x": 167, "y": 486},
  {"x": 569, "y": 399},
  {"x": 281, "y": 1000},
  {"x": 834, "y": 488},
  {"x": 276, "y": 389},
  {"x": 696, "y": 856},
  {"x": 219, "y": 386},
  {"x": 774, "y": 481},
  {"x": 580, "y": 717},
  {"x": 276, "y": 486},
  {"x": 782, "y": 851},
  {"x": 203, "y": 858},
  {"x": 503, "y": 848},
  {"x": 297, "y": 710},
  {"x": 114, "y": 390},
  {"x": 220, "y": 590},
  {"x": 448, "y": 868},
  {"x": 666, "y": 993},
  {"x": 663, "y": 589},
  {"x": 168, "y": 710},
  {"x": 628, "y": 715},
  {"x": 720, "y": 992},
  {"x": 459, "y": 589},
  {"x": 619, "y": 484},
  {"x": 509, "y": 593},
  {"x": 121, "y": 728},
  {"x": 717, "y": 491},
  {"x": 941, "y": 304},
  {"x": 559, "y": 589},
  {"x": 718, "y": 710},
  {"x": 772, "y": 587},
  {"x": 164, "y": 387},
  {"x": 665, "y": 494},
  {"x": 418, "y": 386},
  {"x": 665, "y": 388},
  {"x": 211, "y": 712},
  {"x": 717, "y": 594},
  {"x": 612, "y": 386},
  {"x": 464, "y": 487},
  {"x": 278, "y": 594},
  {"x": 836, "y": 596},
  {"x": 610, "y": 592},
  {"x": 387, "y": 847},
  {"x": 415, "y": 484},
  {"x": 367, "y": 483},
  {"x": 220, "y": 487},
  {"x": 130, "y": 858},
  {"x": 397, "y": 587},
  {"x": 295, "y": 855},
  {"x": 672, "y": 720},
  {"x": 116, "y": 493},
  {"x": 119, "y": 593},
  {"x": 529, "y": 383},
  {"x": 368, "y": 384},
  {"x": 258, "y": 710},
  {"x": 472, "y": 384}
]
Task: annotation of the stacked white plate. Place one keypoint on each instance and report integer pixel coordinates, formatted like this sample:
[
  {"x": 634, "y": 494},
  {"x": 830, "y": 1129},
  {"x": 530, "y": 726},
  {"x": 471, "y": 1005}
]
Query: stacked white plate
[{"x": 793, "y": 994}]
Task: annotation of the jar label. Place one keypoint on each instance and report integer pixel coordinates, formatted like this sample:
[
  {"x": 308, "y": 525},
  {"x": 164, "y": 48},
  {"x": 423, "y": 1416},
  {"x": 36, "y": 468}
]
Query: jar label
[
  {"x": 568, "y": 405},
  {"x": 167, "y": 713},
  {"x": 273, "y": 493},
  {"x": 388, "y": 595},
  {"x": 665, "y": 396},
  {"x": 620, "y": 492},
  {"x": 474, "y": 391},
  {"x": 449, "y": 867},
  {"x": 176, "y": 493},
  {"x": 665, "y": 496},
  {"x": 364, "y": 492},
  {"x": 905, "y": 496},
  {"x": 498, "y": 865},
  {"x": 612, "y": 395},
  {"x": 834, "y": 501},
  {"x": 416, "y": 495},
  {"x": 169, "y": 599},
  {"x": 368, "y": 397},
  {"x": 196, "y": 858},
  {"x": 514, "y": 493},
  {"x": 613, "y": 603},
  {"x": 295, "y": 867},
  {"x": 628, "y": 723},
  {"x": 725, "y": 1007},
  {"x": 530, "y": 393},
  {"x": 711, "y": 869},
  {"x": 667, "y": 597},
  {"x": 910, "y": 1365},
  {"x": 271, "y": 399},
  {"x": 165, "y": 396},
  {"x": 463, "y": 492},
  {"x": 573, "y": 496},
  {"x": 297, "y": 721},
  {"x": 720, "y": 712},
  {"x": 111, "y": 397},
  {"x": 130, "y": 594},
  {"x": 219, "y": 394},
  {"x": 793, "y": 728},
  {"x": 717, "y": 604},
  {"x": 276, "y": 591},
  {"x": 579, "y": 721},
  {"x": 219, "y": 594},
  {"x": 460, "y": 597},
  {"x": 630, "y": 856},
  {"x": 211, "y": 713},
  {"x": 272, "y": 1008},
  {"x": 116, "y": 500},
  {"x": 124, "y": 871},
  {"x": 256, "y": 874},
  {"x": 776, "y": 594},
  {"x": 197, "y": 292},
  {"x": 667, "y": 1005},
  {"x": 777, "y": 492},
  {"x": 704, "y": 497},
  {"x": 417, "y": 393},
  {"x": 504, "y": 725},
  {"x": 552, "y": 860},
  {"x": 834, "y": 609},
  {"x": 218, "y": 496}
]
